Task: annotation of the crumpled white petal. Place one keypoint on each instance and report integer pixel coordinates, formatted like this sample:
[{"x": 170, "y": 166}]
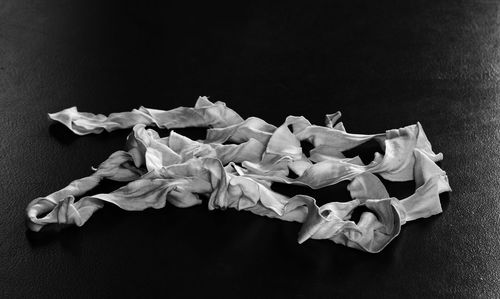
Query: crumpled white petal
[
  {"x": 117, "y": 167},
  {"x": 239, "y": 175},
  {"x": 204, "y": 114}
]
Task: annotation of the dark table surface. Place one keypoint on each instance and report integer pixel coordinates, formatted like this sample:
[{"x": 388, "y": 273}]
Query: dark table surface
[{"x": 383, "y": 64}]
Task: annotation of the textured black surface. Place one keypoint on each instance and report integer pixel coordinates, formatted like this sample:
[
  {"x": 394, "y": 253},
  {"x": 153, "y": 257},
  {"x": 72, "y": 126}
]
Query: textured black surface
[{"x": 383, "y": 64}]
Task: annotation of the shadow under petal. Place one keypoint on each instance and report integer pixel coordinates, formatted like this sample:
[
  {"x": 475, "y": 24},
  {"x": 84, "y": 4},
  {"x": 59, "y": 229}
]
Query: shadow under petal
[
  {"x": 445, "y": 200},
  {"x": 62, "y": 134}
]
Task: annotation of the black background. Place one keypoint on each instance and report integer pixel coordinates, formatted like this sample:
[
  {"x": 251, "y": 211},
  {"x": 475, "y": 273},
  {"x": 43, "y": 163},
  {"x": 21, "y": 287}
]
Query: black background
[{"x": 383, "y": 64}]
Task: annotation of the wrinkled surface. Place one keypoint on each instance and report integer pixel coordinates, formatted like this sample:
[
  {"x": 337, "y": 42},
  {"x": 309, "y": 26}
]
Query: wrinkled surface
[{"x": 179, "y": 170}]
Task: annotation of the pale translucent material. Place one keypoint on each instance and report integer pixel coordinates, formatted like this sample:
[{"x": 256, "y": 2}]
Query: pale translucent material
[{"x": 239, "y": 175}]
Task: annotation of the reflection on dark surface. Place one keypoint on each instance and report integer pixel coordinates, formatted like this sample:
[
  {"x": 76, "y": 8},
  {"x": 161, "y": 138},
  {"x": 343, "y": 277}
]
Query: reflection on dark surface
[{"x": 69, "y": 237}]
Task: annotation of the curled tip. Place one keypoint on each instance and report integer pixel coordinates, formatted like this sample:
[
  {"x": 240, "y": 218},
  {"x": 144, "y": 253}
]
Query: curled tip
[
  {"x": 301, "y": 239},
  {"x": 37, "y": 207},
  {"x": 304, "y": 236}
]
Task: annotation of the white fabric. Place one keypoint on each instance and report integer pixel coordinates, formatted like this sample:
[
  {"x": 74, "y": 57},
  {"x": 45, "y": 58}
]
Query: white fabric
[{"x": 177, "y": 170}]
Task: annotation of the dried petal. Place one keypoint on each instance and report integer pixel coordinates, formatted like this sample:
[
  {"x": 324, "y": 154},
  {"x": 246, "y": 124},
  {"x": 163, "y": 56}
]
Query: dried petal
[{"x": 181, "y": 171}]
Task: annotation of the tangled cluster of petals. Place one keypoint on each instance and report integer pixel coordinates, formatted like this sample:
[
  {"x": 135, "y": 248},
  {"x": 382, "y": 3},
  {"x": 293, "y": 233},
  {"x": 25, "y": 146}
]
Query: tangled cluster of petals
[{"x": 235, "y": 166}]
